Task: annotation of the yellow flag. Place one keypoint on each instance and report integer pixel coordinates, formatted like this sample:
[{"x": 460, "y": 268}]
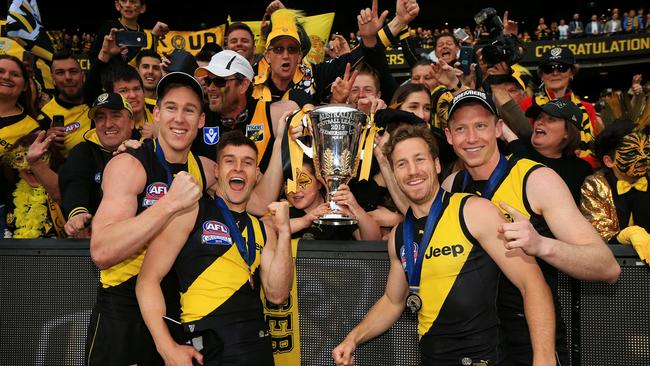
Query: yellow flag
[{"x": 191, "y": 41}]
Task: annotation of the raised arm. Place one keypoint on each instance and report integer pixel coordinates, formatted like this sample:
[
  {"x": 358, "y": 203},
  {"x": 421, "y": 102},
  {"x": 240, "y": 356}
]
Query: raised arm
[
  {"x": 158, "y": 261},
  {"x": 483, "y": 220},
  {"x": 277, "y": 260},
  {"x": 117, "y": 232},
  {"x": 382, "y": 315},
  {"x": 389, "y": 177},
  {"x": 578, "y": 250},
  {"x": 45, "y": 175}
]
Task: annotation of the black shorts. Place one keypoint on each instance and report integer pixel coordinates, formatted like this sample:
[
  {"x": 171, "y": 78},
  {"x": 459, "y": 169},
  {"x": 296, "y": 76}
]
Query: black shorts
[
  {"x": 477, "y": 349},
  {"x": 115, "y": 342},
  {"x": 228, "y": 348}
]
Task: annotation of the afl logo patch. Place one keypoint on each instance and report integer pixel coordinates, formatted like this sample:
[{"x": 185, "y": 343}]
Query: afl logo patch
[
  {"x": 215, "y": 233},
  {"x": 402, "y": 254},
  {"x": 72, "y": 127},
  {"x": 153, "y": 193}
]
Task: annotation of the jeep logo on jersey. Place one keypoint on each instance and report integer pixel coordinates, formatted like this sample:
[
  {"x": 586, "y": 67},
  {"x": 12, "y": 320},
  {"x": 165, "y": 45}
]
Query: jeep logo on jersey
[
  {"x": 72, "y": 127},
  {"x": 211, "y": 135},
  {"x": 153, "y": 193},
  {"x": 402, "y": 254},
  {"x": 453, "y": 250},
  {"x": 215, "y": 233}
]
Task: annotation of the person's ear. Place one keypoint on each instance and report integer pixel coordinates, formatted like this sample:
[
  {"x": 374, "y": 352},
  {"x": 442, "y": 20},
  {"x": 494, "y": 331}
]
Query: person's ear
[{"x": 609, "y": 161}]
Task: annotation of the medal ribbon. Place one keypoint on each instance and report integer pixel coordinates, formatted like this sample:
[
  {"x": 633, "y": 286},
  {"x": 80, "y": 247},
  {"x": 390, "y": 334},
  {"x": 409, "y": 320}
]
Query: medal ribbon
[
  {"x": 414, "y": 265},
  {"x": 247, "y": 251},
  {"x": 192, "y": 165},
  {"x": 493, "y": 181}
]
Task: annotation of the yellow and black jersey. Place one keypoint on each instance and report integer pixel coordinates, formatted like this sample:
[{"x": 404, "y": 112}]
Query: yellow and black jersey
[
  {"x": 511, "y": 189},
  {"x": 117, "y": 290},
  {"x": 75, "y": 121},
  {"x": 150, "y": 103},
  {"x": 213, "y": 275},
  {"x": 13, "y": 128},
  {"x": 458, "y": 287},
  {"x": 146, "y": 118},
  {"x": 260, "y": 131}
]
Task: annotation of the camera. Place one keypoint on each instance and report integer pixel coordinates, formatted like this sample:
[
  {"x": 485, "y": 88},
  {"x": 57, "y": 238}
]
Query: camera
[{"x": 497, "y": 47}]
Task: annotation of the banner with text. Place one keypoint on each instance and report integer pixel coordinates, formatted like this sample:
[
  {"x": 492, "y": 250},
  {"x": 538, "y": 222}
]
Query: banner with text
[{"x": 191, "y": 41}]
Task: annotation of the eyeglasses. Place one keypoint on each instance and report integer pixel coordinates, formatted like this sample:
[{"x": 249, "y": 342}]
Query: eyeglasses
[
  {"x": 218, "y": 82},
  {"x": 549, "y": 68},
  {"x": 278, "y": 50}
]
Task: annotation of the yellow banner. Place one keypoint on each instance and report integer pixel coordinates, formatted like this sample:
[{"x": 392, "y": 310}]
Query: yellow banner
[
  {"x": 318, "y": 27},
  {"x": 191, "y": 41}
]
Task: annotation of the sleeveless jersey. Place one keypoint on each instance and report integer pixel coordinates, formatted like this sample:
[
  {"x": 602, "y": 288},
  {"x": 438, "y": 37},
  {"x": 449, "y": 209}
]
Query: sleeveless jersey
[
  {"x": 117, "y": 289},
  {"x": 13, "y": 128},
  {"x": 213, "y": 275},
  {"x": 512, "y": 190},
  {"x": 458, "y": 288},
  {"x": 75, "y": 121}
]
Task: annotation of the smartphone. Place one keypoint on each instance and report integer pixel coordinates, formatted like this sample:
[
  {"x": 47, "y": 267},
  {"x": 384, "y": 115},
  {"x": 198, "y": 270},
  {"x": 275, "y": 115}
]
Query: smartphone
[
  {"x": 57, "y": 120},
  {"x": 131, "y": 39},
  {"x": 466, "y": 58},
  {"x": 460, "y": 34}
]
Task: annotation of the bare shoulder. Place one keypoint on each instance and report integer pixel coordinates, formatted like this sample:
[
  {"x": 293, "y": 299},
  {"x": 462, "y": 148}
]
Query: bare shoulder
[
  {"x": 124, "y": 174},
  {"x": 545, "y": 189},
  {"x": 480, "y": 213}
]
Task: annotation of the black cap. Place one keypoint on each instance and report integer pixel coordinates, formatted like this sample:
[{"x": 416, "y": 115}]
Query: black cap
[
  {"x": 110, "y": 101},
  {"x": 559, "y": 108},
  {"x": 468, "y": 96},
  {"x": 178, "y": 77},
  {"x": 385, "y": 117},
  {"x": 183, "y": 61},
  {"x": 561, "y": 55}
]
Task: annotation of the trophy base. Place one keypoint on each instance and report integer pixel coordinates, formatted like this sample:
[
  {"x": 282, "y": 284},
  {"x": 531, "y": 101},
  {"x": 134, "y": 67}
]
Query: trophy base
[{"x": 335, "y": 220}]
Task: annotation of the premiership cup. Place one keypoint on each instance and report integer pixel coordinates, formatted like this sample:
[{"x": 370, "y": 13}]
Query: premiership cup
[{"x": 336, "y": 130}]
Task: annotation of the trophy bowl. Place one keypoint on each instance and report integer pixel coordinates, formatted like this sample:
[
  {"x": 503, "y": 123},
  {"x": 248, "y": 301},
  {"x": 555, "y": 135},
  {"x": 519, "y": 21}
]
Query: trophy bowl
[{"x": 336, "y": 130}]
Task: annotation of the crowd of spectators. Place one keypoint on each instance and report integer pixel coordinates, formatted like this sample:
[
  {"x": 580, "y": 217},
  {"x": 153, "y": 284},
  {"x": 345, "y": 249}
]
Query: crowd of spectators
[{"x": 55, "y": 151}]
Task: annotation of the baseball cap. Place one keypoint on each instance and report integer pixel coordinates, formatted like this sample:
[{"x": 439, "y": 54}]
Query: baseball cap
[
  {"x": 283, "y": 23},
  {"x": 226, "y": 63},
  {"x": 111, "y": 101},
  {"x": 178, "y": 77},
  {"x": 471, "y": 95},
  {"x": 559, "y": 108},
  {"x": 181, "y": 60},
  {"x": 561, "y": 55}
]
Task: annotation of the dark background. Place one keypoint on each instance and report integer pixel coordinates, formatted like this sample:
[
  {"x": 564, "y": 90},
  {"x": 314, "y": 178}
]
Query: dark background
[{"x": 78, "y": 15}]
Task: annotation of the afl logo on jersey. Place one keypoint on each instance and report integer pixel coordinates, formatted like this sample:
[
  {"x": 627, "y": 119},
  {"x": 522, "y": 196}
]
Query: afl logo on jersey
[
  {"x": 72, "y": 127},
  {"x": 153, "y": 193},
  {"x": 402, "y": 254},
  {"x": 215, "y": 233}
]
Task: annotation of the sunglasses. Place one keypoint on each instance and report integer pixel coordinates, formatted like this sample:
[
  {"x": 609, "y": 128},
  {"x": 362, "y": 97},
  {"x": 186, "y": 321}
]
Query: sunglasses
[
  {"x": 549, "y": 68},
  {"x": 278, "y": 50},
  {"x": 218, "y": 82}
]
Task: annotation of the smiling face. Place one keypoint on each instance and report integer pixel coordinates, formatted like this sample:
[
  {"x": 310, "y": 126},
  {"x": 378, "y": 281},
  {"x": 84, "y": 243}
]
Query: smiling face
[
  {"x": 133, "y": 93},
  {"x": 364, "y": 86},
  {"x": 549, "y": 135},
  {"x": 12, "y": 81},
  {"x": 473, "y": 131},
  {"x": 416, "y": 171},
  {"x": 307, "y": 195},
  {"x": 236, "y": 172},
  {"x": 557, "y": 80},
  {"x": 113, "y": 126},
  {"x": 130, "y": 9},
  {"x": 418, "y": 103},
  {"x": 241, "y": 42},
  {"x": 179, "y": 116},
  {"x": 68, "y": 79},
  {"x": 150, "y": 72}
]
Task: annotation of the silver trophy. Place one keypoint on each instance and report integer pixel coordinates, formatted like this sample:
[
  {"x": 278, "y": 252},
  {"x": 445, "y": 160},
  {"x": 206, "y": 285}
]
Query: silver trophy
[{"x": 336, "y": 130}]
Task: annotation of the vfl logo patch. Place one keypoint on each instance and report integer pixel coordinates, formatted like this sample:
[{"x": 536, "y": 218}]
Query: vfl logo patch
[
  {"x": 255, "y": 132},
  {"x": 211, "y": 135},
  {"x": 402, "y": 254},
  {"x": 215, "y": 233},
  {"x": 153, "y": 193},
  {"x": 72, "y": 127}
]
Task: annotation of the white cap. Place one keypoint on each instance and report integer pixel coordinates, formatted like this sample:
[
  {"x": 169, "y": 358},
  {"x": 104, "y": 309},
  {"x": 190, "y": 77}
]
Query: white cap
[{"x": 226, "y": 63}]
